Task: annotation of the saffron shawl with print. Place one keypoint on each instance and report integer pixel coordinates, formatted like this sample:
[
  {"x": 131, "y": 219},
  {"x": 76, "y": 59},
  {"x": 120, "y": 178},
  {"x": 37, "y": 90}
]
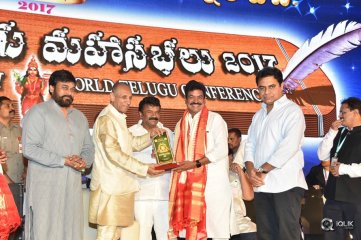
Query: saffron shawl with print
[
  {"x": 187, "y": 206},
  {"x": 9, "y": 216}
]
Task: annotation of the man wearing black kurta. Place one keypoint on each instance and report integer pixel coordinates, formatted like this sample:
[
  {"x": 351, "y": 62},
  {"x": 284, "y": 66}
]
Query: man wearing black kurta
[{"x": 343, "y": 144}]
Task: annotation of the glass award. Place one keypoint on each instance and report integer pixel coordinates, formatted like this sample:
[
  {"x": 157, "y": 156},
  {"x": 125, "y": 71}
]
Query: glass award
[{"x": 163, "y": 152}]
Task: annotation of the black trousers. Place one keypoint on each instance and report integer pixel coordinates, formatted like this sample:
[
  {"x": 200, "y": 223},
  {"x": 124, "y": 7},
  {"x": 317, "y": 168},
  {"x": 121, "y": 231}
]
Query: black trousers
[
  {"x": 346, "y": 217},
  {"x": 245, "y": 236},
  {"x": 278, "y": 214}
]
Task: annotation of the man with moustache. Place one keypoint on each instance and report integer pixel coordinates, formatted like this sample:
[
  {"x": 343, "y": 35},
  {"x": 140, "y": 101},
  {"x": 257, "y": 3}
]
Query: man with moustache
[
  {"x": 151, "y": 202},
  {"x": 10, "y": 134},
  {"x": 342, "y": 146},
  {"x": 58, "y": 146},
  {"x": 114, "y": 174},
  {"x": 14, "y": 169},
  {"x": 200, "y": 195},
  {"x": 236, "y": 147},
  {"x": 274, "y": 160}
]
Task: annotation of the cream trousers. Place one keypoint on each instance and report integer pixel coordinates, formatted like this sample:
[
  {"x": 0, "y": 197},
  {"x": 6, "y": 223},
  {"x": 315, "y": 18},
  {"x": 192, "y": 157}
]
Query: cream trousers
[{"x": 115, "y": 233}]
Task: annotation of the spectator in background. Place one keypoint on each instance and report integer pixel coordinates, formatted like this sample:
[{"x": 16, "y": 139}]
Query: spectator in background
[
  {"x": 236, "y": 145},
  {"x": 10, "y": 141},
  {"x": 242, "y": 228},
  {"x": 314, "y": 198},
  {"x": 318, "y": 175}
]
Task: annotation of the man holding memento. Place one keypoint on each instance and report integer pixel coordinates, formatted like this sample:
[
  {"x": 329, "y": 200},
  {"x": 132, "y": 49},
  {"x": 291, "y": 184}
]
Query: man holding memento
[
  {"x": 151, "y": 202},
  {"x": 342, "y": 146},
  {"x": 200, "y": 197},
  {"x": 114, "y": 175}
]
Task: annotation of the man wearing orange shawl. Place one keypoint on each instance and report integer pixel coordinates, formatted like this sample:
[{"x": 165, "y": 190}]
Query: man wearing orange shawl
[{"x": 200, "y": 195}]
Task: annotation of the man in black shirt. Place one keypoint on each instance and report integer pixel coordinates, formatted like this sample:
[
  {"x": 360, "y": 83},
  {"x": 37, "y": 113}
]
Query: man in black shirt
[{"x": 342, "y": 145}]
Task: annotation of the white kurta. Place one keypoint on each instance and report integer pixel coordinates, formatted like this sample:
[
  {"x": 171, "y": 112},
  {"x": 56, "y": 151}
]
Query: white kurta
[
  {"x": 218, "y": 193},
  {"x": 238, "y": 157},
  {"x": 151, "y": 202},
  {"x": 240, "y": 223},
  {"x": 151, "y": 188},
  {"x": 276, "y": 138}
]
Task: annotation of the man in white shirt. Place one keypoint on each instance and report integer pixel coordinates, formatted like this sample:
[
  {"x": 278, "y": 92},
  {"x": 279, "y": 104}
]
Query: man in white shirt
[
  {"x": 151, "y": 202},
  {"x": 274, "y": 160},
  {"x": 236, "y": 146},
  {"x": 242, "y": 228}
]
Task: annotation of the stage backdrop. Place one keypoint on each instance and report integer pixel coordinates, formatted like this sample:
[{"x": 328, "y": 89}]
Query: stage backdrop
[{"x": 157, "y": 47}]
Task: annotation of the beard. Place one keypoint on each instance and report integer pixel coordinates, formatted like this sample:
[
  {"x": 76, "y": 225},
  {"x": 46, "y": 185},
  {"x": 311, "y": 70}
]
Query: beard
[{"x": 63, "y": 101}]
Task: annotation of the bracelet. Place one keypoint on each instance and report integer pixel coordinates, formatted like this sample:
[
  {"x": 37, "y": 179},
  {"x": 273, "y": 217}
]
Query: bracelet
[{"x": 198, "y": 164}]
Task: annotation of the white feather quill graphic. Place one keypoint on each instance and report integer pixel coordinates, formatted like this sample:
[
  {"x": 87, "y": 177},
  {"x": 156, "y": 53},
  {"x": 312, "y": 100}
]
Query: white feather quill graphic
[{"x": 325, "y": 46}]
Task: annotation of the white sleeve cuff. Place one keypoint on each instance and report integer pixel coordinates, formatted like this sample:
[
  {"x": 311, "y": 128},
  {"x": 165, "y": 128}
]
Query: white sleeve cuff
[
  {"x": 343, "y": 169},
  {"x": 353, "y": 170}
]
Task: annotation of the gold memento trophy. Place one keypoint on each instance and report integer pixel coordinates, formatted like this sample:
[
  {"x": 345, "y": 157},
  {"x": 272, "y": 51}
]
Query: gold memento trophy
[{"x": 163, "y": 152}]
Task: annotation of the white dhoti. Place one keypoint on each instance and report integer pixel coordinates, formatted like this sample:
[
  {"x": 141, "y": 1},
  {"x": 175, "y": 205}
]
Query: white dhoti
[{"x": 151, "y": 213}]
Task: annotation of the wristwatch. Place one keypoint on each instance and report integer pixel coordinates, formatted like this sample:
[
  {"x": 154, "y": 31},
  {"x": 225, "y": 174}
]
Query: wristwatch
[
  {"x": 198, "y": 164},
  {"x": 261, "y": 170}
]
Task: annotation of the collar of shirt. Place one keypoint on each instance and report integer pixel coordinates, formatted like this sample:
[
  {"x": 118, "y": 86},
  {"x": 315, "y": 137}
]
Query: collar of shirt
[
  {"x": 116, "y": 112},
  {"x": 356, "y": 129},
  {"x": 276, "y": 104},
  {"x": 192, "y": 122},
  {"x": 238, "y": 150},
  {"x": 191, "y": 119},
  {"x": 11, "y": 125}
]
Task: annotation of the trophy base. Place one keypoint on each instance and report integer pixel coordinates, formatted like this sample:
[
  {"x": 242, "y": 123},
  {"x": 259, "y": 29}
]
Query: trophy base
[{"x": 166, "y": 167}]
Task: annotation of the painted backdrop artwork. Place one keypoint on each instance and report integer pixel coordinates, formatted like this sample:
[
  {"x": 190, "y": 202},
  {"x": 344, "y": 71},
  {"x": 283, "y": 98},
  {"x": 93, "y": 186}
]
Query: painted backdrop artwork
[{"x": 31, "y": 87}]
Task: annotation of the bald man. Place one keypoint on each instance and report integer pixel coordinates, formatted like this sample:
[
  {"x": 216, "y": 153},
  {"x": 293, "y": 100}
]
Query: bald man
[{"x": 114, "y": 173}]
